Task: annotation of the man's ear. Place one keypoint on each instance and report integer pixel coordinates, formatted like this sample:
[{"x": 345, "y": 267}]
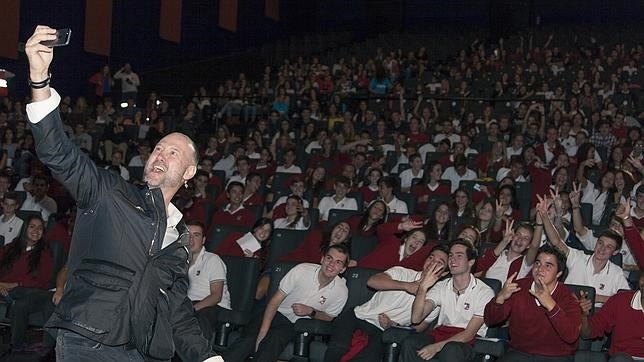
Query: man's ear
[{"x": 190, "y": 172}]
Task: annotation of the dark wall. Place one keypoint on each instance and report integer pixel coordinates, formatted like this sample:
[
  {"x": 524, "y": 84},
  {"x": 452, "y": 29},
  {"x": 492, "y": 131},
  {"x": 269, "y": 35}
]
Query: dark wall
[{"x": 135, "y": 27}]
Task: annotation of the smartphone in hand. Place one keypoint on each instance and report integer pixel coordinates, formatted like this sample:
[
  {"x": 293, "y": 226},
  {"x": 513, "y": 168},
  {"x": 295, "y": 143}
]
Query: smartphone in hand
[{"x": 62, "y": 38}]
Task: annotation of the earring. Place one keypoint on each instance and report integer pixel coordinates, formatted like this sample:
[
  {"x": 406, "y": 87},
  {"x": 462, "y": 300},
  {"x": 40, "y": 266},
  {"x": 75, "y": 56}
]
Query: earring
[{"x": 185, "y": 183}]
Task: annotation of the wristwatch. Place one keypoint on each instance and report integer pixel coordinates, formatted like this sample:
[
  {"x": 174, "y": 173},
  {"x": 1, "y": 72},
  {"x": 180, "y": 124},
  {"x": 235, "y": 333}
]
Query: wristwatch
[{"x": 312, "y": 315}]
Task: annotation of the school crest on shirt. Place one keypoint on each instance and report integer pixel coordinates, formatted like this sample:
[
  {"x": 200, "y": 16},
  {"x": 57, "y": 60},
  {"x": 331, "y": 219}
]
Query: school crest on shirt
[
  {"x": 466, "y": 306},
  {"x": 601, "y": 286},
  {"x": 322, "y": 300}
]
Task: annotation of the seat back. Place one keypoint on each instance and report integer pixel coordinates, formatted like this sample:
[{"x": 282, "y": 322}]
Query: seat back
[
  {"x": 493, "y": 332},
  {"x": 524, "y": 194},
  {"x": 587, "y": 213},
  {"x": 337, "y": 215},
  {"x": 362, "y": 245},
  {"x": 278, "y": 271},
  {"x": 283, "y": 242},
  {"x": 356, "y": 279},
  {"x": 241, "y": 278},
  {"x": 433, "y": 202},
  {"x": 219, "y": 233},
  {"x": 409, "y": 199}
]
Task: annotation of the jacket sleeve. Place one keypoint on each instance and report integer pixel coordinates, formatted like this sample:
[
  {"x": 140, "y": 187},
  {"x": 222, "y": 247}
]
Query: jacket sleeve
[
  {"x": 188, "y": 339},
  {"x": 69, "y": 165}
]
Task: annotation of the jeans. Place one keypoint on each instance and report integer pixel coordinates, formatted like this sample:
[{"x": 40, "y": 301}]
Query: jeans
[{"x": 72, "y": 347}]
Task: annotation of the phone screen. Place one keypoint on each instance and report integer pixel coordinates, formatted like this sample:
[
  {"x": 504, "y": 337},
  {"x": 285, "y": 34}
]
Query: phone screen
[{"x": 62, "y": 38}]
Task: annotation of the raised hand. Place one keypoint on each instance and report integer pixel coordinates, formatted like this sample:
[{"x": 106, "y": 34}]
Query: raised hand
[
  {"x": 433, "y": 274},
  {"x": 556, "y": 201},
  {"x": 623, "y": 210},
  {"x": 509, "y": 287},
  {"x": 542, "y": 292},
  {"x": 508, "y": 233},
  {"x": 409, "y": 224},
  {"x": 40, "y": 56},
  {"x": 584, "y": 303},
  {"x": 500, "y": 209},
  {"x": 575, "y": 195}
]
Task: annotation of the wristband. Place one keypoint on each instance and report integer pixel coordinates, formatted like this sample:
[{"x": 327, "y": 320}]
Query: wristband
[
  {"x": 39, "y": 85},
  {"x": 538, "y": 224},
  {"x": 576, "y": 207}
]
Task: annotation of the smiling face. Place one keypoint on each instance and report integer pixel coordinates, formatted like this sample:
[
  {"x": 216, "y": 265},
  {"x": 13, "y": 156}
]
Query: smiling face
[
  {"x": 262, "y": 233},
  {"x": 521, "y": 240},
  {"x": 377, "y": 210},
  {"x": 605, "y": 248},
  {"x": 457, "y": 260},
  {"x": 171, "y": 162},
  {"x": 35, "y": 230},
  {"x": 333, "y": 263},
  {"x": 442, "y": 214}
]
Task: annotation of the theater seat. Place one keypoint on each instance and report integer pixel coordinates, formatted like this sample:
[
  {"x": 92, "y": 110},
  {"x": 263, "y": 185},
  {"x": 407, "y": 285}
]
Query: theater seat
[
  {"x": 283, "y": 242},
  {"x": 220, "y": 232},
  {"x": 241, "y": 275}
]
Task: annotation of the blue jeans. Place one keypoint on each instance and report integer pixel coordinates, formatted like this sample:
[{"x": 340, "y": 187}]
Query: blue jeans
[{"x": 72, "y": 347}]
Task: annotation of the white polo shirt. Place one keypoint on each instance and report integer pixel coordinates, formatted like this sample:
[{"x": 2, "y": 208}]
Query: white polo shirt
[
  {"x": 396, "y": 304},
  {"x": 593, "y": 196},
  {"x": 327, "y": 203},
  {"x": 10, "y": 229},
  {"x": 397, "y": 206},
  {"x": 458, "y": 310},
  {"x": 499, "y": 270},
  {"x": 283, "y": 223},
  {"x": 283, "y": 199},
  {"x": 589, "y": 240},
  {"x": 451, "y": 175},
  {"x": 208, "y": 268},
  {"x": 301, "y": 285},
  {"x": 407, "y": 176},
  {"x": 582, "y": 272},
  {"x": 46, "y": 206}
]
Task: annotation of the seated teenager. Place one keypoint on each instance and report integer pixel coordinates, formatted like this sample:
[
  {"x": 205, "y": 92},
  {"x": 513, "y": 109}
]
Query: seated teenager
[
  {"x": 389, "y": 306},
  {"x": 366, "y": 224},
  {"x": 234, "y": 212},
  {"x": 297, "y": 217},
  {"x": 430, "y": 187},
  {"x": 338, "y": 200},
  {"x": 594, "y": 270},
  {"x": 10, "y": 224},
  {"x": 309, "y": 291},
  {"x": 392, "y": 250},
  {"x": 237, "y": 243},
  {"x": 513, "y": 255},
  {"x": 542, "y": 312},
  {"x": 461, "y": 299},
  {"x": 622, "y": 316},
  {"x": 208, "y": 289},
  {"x": 386, "y": 187},
  {"x": 26, "y": 267}
]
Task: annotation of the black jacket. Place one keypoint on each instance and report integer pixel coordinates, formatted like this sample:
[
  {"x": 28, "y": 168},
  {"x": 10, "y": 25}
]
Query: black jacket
[{"x": 118, "y": 290}]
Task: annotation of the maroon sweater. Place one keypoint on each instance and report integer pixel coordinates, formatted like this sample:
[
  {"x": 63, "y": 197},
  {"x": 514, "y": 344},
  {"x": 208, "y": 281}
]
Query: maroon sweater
[
  {"x": 636, "y": 244},
  {"x": 625, "y": 323},
  {"x": 19, "y": 273},
  {"x": 533, "y": 329}
]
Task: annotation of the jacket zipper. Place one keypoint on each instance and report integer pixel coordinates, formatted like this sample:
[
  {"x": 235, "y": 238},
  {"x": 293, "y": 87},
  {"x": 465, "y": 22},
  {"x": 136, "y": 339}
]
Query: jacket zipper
[{"x": 156, "y": 229}]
